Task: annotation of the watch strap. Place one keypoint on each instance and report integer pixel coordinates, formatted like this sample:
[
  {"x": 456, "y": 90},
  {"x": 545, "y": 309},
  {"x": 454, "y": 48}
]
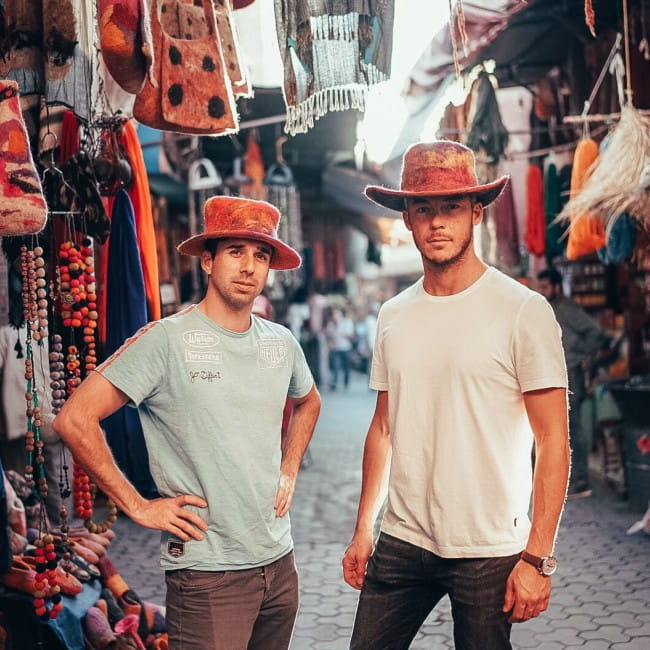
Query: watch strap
[{"x": 535, "y": 560}]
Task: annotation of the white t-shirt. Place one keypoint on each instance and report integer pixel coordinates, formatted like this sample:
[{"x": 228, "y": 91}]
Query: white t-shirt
[{"x": 455, "y": 368}]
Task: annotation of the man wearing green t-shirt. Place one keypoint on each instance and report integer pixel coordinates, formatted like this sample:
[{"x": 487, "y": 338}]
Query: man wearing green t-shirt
[{"x": 210, "y": 385}]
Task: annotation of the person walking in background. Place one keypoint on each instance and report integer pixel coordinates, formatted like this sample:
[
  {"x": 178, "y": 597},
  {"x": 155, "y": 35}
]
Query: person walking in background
[
  {"x": 210, "y": 385},
  {"x": 582, "y": 339},
  {"x": 470, "y": 372},
  {"x": 339, "y": 332}
]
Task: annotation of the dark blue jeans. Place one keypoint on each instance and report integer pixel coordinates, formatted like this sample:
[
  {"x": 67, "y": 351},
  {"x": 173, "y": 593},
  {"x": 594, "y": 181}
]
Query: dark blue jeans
[
  {"x": 578, "y": 440},
  {"x": 339, "y": 362},
  {"x": 405, "y": 582}
]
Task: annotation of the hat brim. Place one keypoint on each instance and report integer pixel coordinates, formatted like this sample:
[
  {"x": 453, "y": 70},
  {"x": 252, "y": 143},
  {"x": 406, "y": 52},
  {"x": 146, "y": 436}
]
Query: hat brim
[
  {"x": 394, "y": 199},
  {"x": 284, "y": 257}
]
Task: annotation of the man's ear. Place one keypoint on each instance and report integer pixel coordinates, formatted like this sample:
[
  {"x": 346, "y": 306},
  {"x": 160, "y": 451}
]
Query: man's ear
[
  {"x": 407, "y": 221},
  {"x": 477, "y": 213},
  {"x": 206, "y": 261}
]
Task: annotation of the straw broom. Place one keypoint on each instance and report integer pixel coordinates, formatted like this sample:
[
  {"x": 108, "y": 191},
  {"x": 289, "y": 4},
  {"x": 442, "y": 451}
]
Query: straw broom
[{"x": 620, "y": 179}]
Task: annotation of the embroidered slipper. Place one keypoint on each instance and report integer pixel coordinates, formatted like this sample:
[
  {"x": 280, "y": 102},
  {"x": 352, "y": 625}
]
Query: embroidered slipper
[
  {"x": 128, "y": 626},
  {"x": 21, "y": 576},
  {"x": 98, "y": 630},
  {"x": 111, "y": 578},
  {"x": 86, "y": 566},
  {"x": 115, "y": 612},
  {"x": 70, "y": 585}
]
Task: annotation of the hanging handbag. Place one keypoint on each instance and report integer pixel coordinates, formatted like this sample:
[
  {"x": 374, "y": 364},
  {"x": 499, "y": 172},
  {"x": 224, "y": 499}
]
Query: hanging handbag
[
  {"x": 125, "y": 40},
  {"x": 191, "y": 92},
  {"x": 22, "y": 205}
]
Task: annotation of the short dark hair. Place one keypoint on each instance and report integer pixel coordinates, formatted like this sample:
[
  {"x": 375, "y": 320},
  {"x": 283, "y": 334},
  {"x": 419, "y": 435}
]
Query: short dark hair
[
  {"x": 211, "y": 245},
  {"x": 552, "y": 275}
]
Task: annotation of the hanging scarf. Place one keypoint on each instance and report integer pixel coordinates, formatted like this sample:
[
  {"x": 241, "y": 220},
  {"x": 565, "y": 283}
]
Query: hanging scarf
[
  {"x": 587, "y": 232},
  {"x": 505, "y": 219},
  {"x": 555, "y": 240},
  {"x": 126, "y": 310},
  {"x": 535, "y": 221},
  {"x": 330, "y": 59}
]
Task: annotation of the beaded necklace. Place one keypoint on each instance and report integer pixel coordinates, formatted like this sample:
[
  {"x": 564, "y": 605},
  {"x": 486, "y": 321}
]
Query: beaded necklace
[
  {"x": 79, "y": 313},
  {"x": 35, "y": 316}
]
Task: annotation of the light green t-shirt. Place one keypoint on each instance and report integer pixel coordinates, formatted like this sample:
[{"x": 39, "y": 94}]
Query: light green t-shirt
[{"x": 210, "y": 402}]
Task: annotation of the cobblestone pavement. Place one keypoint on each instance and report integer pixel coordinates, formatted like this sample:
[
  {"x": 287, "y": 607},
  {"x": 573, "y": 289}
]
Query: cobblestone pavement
[{"x": 601, "y": 594}]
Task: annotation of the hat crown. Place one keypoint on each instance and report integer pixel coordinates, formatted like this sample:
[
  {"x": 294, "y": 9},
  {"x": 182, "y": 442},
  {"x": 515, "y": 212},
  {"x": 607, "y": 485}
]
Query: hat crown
[
  {"x": 438, "y": 166},
  {"x": 224, "y": 214}
]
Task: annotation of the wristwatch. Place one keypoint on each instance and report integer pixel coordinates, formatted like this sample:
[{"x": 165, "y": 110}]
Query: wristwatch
[{"x": 545, "y": 565}]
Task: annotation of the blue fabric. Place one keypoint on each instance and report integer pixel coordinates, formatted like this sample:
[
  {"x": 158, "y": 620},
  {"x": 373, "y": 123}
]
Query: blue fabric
[
  {"x": 621, "y": 241},
  {"x": 126, "y": 313},
  {"x": 67, "y": 626}
]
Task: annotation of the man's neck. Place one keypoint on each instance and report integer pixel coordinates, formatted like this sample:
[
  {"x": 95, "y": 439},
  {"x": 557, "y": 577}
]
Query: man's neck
[
  {"x": 453, "y": 279},
  {"x": 224, "y": 316}
]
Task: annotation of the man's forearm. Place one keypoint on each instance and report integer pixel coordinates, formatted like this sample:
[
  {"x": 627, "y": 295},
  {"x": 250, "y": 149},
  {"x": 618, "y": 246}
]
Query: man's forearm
[
  {"x": 299, "y": 434},
  {"x": 89, "y": 448},
  {"x": 376, "y": 456},
  {"x": 549, "y": 492}
]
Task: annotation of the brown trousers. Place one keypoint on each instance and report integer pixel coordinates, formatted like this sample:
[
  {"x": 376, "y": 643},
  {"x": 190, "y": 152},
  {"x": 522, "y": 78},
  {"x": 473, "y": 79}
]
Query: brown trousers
[{"x": 251, "y": 609}]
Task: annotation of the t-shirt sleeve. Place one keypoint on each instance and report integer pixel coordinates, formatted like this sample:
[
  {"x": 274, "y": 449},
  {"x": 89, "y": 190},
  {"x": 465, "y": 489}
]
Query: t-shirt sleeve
[
  {"x": 301, "y": 378},
  {"x": 378, "y": 373},
  {"x": 537, "y": 347},
  {"x": 138, "y": 367}
]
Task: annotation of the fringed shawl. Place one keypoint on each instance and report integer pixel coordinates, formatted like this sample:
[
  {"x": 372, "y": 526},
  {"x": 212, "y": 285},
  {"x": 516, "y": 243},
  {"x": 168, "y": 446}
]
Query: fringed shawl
[{"x": 332, "y": 51}]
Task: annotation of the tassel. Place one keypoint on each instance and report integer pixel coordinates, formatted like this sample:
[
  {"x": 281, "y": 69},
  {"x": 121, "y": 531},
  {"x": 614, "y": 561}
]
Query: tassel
[
  {"x": 19, "y": 349},
  {"x": 590, "y": 17}
]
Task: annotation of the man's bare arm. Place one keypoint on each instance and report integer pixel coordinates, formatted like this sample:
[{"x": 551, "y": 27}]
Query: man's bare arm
[
  {"x": 376, "y": 457},
  {"x": 294, "y": 444},
  {"x": 78, "y": 425},
  {"x": 528, "y": 592}
]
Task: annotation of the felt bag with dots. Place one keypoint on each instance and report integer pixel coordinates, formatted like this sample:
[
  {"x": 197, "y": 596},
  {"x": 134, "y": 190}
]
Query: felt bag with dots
[{"x": 191, "y": 92}]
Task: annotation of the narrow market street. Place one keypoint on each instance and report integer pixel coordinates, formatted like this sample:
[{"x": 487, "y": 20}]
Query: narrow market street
[{"x": 601, "y": 597}]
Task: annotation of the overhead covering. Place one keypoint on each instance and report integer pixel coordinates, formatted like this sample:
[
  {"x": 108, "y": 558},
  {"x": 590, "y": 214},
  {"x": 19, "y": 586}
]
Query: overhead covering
[{"x": 525, "y": 39}]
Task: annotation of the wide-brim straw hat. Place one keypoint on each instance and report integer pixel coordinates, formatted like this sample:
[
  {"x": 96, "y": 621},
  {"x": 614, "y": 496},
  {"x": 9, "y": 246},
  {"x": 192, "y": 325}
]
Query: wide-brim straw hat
[
  {"x": 239, "y": 218},
  {"x": 438, "y": 168}
]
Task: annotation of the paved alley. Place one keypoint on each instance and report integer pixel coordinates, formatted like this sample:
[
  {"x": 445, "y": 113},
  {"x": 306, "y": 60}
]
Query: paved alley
[{"x": 601, "y": 597}]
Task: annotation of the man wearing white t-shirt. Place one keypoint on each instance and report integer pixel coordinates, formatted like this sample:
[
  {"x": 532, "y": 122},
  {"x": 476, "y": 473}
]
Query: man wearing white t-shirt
[{"x": 470, "y": 373}]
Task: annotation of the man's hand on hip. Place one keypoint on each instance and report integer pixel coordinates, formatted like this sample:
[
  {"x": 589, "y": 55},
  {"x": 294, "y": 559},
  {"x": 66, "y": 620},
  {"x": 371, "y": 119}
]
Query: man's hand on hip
[
  {"x": 169, "y": 513},
  {"x": 527, "y": 593},
  {"x": 356, "y": 559}
]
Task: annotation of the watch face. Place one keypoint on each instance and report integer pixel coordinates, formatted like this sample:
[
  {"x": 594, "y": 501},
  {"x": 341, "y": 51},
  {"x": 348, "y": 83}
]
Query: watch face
[{"x": 549, "y": 566}]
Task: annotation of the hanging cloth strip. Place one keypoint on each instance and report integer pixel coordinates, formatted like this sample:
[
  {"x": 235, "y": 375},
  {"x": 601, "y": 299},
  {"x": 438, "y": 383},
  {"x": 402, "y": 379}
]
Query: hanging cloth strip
[
  {"x": 587, "y": 233},
  {"x": 126, "y": 314},
  {"x": 330, "y": 59},
  {"x": 141, "y": 199},
  {"x": 555, "y": 231},
  {"x": 535, "y": 220}
]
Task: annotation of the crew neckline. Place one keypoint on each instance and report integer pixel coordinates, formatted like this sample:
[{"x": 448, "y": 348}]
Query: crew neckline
[
  {"x": 208, "y": 321},
  {"x": 456, "y": 296}
]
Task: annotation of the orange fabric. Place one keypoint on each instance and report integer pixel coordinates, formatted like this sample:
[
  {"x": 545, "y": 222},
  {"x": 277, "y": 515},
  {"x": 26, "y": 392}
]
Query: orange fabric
[
  {"x": 535, "y": 216},
  {"x": 587, "y": 232},
  {"x": 141, "y": 199}
]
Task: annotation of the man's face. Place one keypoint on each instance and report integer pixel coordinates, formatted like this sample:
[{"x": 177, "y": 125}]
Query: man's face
[
  {"x": 549, "y": 290},
  {"x": 442, "y": 227},
  {"x": 238, "y": 270}
]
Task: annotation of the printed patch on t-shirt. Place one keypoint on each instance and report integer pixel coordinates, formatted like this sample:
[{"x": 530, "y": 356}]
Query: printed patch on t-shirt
[
  {"x": 204, "y": 375},
  {"x": 194, "y": 356},
  {"x": 272, "y": 353},
  {"x": 175, "y": 549},
  {"x": 200, "y": 339}
]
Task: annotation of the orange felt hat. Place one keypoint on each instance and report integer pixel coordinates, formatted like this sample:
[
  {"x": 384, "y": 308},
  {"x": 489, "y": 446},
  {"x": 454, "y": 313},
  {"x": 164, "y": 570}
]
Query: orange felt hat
[
  {"x": 229, "y": 216},
  {"x": 438, "y": 168}
]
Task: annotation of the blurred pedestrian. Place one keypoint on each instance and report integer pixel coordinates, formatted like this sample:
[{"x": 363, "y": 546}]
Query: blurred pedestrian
[
  {"x": 582, "y": 340},
  {"x": 339, "y": 332},
  {"x": 469, "y": 371}
]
